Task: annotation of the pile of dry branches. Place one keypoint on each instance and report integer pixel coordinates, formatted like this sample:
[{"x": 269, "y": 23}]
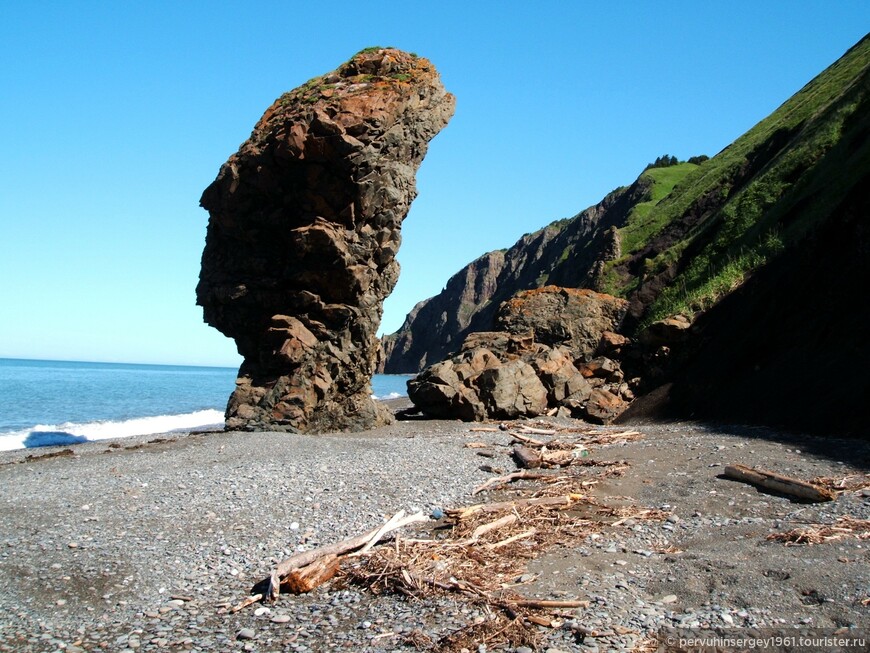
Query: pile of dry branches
[
  {"x": 851, "y": 483},
  {"x": 819, "y": 533},
  {"x": 483, "y": 549},
  {"x": 479, "y": 557},
  {"x": 478, "y": 552}
]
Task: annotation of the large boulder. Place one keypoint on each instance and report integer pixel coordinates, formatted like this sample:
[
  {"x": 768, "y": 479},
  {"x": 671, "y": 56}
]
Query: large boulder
[
  {"x": 561, "y": 378},
  {"x": 571, "y": 317},
  {"x": 304, "y": 226},
  {"x": 511, "y": 390},
  {"x": 604, "y": 406},
  {"x": 446, "y": 389}
]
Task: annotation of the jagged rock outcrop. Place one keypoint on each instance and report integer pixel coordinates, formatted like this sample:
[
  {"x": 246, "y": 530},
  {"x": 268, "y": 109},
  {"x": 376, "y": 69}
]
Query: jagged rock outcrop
[
  {"x": 762, "y": 247},
  {"x": 304, "y": 226},
  {"x": 569, "y": 253},
  {"x": 542, "y": 359},
  {"x": 569, "y": 317}
]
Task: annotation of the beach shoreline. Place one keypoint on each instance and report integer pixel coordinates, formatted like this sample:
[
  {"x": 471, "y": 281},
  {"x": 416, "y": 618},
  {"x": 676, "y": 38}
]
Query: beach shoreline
[{"x": 141, "y": 543}]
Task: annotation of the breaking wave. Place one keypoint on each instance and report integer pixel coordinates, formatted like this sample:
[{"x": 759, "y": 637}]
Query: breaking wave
[{"x": 46, "y": 435}]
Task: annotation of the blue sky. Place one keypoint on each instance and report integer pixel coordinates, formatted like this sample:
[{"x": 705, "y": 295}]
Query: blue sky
[{"x": 114, "y": 116}]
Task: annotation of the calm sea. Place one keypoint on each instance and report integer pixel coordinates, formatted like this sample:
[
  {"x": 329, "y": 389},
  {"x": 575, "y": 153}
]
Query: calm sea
[{"x": 60, "y": 402}]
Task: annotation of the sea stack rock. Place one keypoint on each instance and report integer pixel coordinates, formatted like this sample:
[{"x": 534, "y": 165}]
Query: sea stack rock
[{"x": 304, "y": 226}]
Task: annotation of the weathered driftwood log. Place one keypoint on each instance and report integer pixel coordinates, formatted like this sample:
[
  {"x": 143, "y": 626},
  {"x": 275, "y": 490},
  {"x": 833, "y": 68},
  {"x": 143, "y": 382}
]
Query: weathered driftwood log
[
  {"x": 306, "y": 570},
  {"x": 305, "y": 579},
  {"x": 778, "y": 483},
  {"x": 558, "y": 458}
]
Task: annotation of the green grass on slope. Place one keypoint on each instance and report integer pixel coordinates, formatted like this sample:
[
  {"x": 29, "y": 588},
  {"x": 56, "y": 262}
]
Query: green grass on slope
[
  {"x": 746, "y": 230},
  {"x": 642, "y": 222}
]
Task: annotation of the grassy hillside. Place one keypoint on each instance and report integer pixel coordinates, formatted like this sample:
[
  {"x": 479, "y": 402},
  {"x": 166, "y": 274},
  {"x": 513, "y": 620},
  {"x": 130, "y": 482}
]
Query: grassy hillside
[
  {"x": 733, "y": 213},
  {"x": 643, "y": 220},
  {"x": 681, "y": 237}
]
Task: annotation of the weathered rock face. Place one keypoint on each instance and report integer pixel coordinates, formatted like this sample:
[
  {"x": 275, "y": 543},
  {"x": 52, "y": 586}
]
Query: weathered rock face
[
  {"x": 541, "y": 360},
  {"x": 575, "y": 318},
  {"x": 569, "y": 253},
  {"x": 304, "y": 226}
]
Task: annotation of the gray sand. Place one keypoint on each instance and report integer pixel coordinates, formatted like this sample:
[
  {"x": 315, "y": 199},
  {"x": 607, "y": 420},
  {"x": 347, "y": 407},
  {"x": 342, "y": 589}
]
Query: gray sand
[{"x": 140, "y": 544}]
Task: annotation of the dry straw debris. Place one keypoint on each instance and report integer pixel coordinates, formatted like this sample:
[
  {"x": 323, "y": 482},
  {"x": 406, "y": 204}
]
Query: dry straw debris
[
  {"x": 478, "y": 553},
  {"x": 820, "y": 533}
]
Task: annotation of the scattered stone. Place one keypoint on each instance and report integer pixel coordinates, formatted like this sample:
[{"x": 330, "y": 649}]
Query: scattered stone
[
  {"x": 246, "y": 633},
  {"x": 716, "y": 557},
  {"x": 666, "y": 333}
]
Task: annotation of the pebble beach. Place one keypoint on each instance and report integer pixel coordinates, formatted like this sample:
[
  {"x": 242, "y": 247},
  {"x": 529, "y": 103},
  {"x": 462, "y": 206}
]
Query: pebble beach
[{"x": 143, "y": 544}]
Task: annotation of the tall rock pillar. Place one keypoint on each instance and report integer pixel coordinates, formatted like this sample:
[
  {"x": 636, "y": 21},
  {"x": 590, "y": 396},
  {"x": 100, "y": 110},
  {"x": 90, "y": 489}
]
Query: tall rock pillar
[{"x": 304, "y": 226}]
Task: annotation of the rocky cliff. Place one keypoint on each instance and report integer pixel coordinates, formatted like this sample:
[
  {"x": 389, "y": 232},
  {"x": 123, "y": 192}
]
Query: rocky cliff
[
  {"x": 567, "y": 253},
  {"x": 304, "y": 226},
  {"x": 762, "y": 248}
]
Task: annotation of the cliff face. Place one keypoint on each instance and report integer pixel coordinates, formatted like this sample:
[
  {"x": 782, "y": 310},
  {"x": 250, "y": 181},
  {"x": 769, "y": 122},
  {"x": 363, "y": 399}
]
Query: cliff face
[
  {"x": 566, "y": 253},
  {"x": 763, "y": 247},
  {"x": 304, "y": 226}
]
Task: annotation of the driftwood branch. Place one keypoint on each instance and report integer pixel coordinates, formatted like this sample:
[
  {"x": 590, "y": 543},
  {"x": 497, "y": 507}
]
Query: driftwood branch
[
  {"x": 508, "y": 478},
  {"x": 534, "y": 431},
  {"x": 253, "y": 598},
  {"x": 389, "y": 525},
  {"x": 458, "y": 514},
  {"x": 536, "y": 603},
  {"x": 338, "y": 548},
  {"x": 778, "y": 483},
  {"x": 512, "y": 539},
  {"x": 483, "y": 529},
  {"x": 527, "y": 440}
]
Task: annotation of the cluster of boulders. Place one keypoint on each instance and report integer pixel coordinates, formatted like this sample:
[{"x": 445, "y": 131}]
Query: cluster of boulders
[{"x": 557, "y": 351}]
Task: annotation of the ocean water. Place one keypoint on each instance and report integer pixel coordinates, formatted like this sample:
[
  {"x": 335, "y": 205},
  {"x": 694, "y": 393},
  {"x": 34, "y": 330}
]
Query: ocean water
[{"x": 46, "y": 403}]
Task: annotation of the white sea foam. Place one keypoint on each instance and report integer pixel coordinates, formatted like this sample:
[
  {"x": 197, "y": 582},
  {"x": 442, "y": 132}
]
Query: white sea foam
[
  {"x": 390, "y": 395},
  {"x": 43, "y": 435}
]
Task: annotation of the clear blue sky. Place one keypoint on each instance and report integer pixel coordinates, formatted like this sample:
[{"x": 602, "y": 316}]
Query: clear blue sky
[{"x": 114, "y": 116}]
